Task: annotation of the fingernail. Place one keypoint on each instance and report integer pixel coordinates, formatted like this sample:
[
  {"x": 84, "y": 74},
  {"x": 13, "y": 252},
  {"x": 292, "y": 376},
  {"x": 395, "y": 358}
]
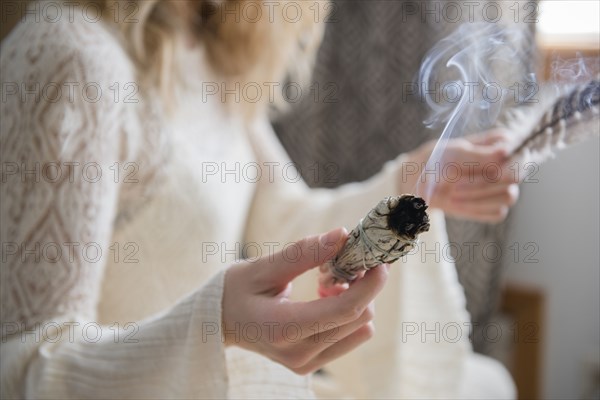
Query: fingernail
[{"x": 332, "y": 237}]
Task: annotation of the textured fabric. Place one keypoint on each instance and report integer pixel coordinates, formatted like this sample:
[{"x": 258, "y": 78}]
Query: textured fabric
[
  {"x": 367, "y": 113},
  {"x": 157, "y": 277},
  {"x": 50, "y": 298},
  {"x": 490, "y": 378}
]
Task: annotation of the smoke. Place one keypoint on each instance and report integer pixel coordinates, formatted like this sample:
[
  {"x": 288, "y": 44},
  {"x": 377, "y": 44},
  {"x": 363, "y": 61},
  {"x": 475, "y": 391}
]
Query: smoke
[
  {"x": 464, "y": 82},
  {"x": 575, "y": 70}
]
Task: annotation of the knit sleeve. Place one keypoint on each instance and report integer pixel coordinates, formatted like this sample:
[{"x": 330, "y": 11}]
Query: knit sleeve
[{"x": 64, "y": 130}]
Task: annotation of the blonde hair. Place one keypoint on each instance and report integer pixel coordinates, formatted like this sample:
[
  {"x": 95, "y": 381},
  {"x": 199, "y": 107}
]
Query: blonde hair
[{"x": 245, "y": 41}]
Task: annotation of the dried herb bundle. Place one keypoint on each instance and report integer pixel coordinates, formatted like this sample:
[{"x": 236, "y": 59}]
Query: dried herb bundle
[
  {"x": 388, "y": 232},
  {"x": 570, "y": 118}
]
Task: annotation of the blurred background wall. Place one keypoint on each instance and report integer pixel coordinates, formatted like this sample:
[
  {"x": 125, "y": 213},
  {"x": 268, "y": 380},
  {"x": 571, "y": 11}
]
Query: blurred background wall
[
  {"x": 566, "y": 267},
  {"x": 560, "y": 215}
]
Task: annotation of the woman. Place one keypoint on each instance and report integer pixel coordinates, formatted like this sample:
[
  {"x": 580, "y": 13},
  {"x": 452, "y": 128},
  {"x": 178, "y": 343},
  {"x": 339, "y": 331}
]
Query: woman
[{"x": 137, "y": 166}]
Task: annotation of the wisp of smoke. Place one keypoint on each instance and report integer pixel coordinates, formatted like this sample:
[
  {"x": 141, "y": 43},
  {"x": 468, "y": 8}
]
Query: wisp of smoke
[
  {"x": 568, "y": 112},
  {"x": 460, "y": 81},
  {"x": 575, "y": 70}
]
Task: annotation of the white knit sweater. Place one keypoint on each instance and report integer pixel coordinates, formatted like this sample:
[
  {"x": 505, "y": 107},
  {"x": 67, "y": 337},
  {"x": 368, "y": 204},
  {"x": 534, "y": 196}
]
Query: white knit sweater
[{"x": 112, "y": 283}]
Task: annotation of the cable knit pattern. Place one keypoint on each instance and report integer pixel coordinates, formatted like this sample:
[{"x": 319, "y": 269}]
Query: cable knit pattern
[
  {"x": 46, "y": 143},
  {"x": 126, "y": 252},
  {"x": 60, "y": 146}
]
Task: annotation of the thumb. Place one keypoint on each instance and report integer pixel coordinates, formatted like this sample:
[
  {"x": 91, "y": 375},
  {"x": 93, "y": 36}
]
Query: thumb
[{"x": 298, "y": 257}]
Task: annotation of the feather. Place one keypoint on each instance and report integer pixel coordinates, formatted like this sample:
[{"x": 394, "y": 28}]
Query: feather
[{"x": 556, "y": 122}]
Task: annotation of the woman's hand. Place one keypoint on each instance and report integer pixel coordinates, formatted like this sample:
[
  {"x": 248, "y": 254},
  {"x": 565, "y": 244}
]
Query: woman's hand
[
  {"x": 472, "y": 180},
  {"x": 303, "y": 336}
]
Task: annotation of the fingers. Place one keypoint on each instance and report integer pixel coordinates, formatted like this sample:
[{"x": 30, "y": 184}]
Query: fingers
[
  {"x": 478, "y": 157},
  {"x": 492, "y": 207},
  {"x": 470, "y": 163},
  {"x": 313, "y": 345},
  {"x": 335, "y": 333},
  {"x": 481, "y": 211},
  {"x": 489, "y": 138},
  {"x": 332, "y": 290},
  {"x": 344, "y": 308},
  {"x": 302, "y": 362},
  {"x": 257, "y": 292},
  {"x": 508, "y": 193},
  {"x": 485, "y": 180},
  {"x": 313, "y": 350},
  {"x": 344, "y": 346},
  {"x": 276, "y": 270},
  {"x": 490, "y": 218},
  {"x": 327, "y": 289}
]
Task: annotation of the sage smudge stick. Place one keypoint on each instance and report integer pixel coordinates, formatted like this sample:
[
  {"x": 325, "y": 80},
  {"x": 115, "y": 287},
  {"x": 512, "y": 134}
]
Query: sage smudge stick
[{"x": 389, "y": 231}]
